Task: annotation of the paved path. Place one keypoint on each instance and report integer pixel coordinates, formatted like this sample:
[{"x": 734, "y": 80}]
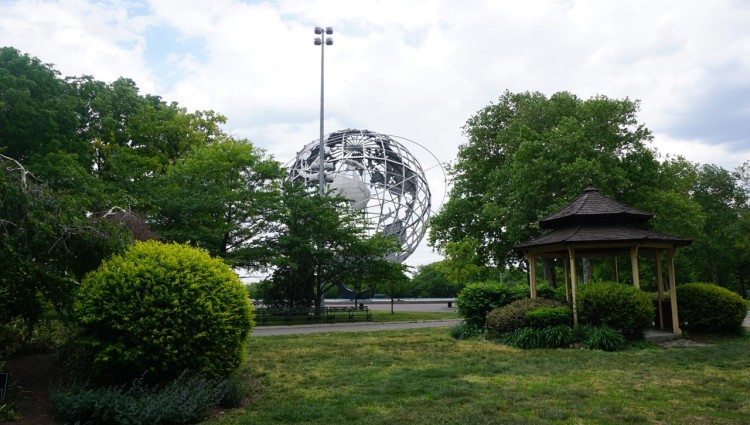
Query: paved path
[
  {"x": 350, "y": 327},
  {"x": 746, "y": 322}
]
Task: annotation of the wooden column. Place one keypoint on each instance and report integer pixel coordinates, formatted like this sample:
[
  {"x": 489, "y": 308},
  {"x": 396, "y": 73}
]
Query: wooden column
[
  {"x": 567, "y": 280},
  {"x": 572, "y": 254},
  {"x": 660, "y": 286},
  {"x": 614, "y": 267},
  {"x": 634, "y": 264},
  {"x": 532, "y": 273},
  {"x": 673, "y": 292}
]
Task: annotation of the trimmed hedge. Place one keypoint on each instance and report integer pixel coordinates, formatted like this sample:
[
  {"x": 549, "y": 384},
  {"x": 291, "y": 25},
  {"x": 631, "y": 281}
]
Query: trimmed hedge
[
  {"x": 705, "y": 306},
  {"x": 512, "y": 317},
  {"x": 163, "y": 309},
  {"x": 621, "y": 307},
  {"x": 546, "y": 317},
  {"x": 477, "y": 299}
]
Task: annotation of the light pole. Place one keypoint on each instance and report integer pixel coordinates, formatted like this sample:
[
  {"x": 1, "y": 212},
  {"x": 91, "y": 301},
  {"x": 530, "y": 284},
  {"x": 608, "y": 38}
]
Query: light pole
[{"x": 322, "y": 41}]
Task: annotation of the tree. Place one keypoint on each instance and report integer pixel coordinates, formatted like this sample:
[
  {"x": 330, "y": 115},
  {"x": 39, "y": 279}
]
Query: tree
[
  {"x": 723, "y": 201},
  {"x": 429, "y": 282},
  {"x": 529, "y": 155},
  {"x": 220, "y": 197},
  {"x": 47, "y": 244},
  {"x": 38, "y": 111},
  {"x": 460, "y": 264},
  {"x": 319, "y": 243},
  {"x": 394, "y": 282}
]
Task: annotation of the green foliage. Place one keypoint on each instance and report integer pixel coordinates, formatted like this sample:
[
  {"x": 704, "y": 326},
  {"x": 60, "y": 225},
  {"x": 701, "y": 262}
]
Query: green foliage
[
  {"x": 429, "y": 282},
  {"x": 478, "y": 299},
  {"x": 465, "y": 330},
  {"x": 320, "y": 243},
  {"x": 705, "y": 306},
  {"x": 601, "y": 338},
  {"x": 163, "y": 308},
  {"x": 46, "y": 336},
  {"x": 512, "y": 317},
  {"x": 460, "y": 264},
  {"x": 545, "y": 290},
  {"x": 531, "y": 338},
  {"x": 187, "y": 399},
  {"x": 528, "y": 143},
  {"x": 618, "y": 306},
  {"x": 219, "y": 197},
  {"x": 548, "y": 316}
]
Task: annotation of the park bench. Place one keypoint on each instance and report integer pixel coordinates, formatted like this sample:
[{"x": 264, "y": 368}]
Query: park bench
[{"x": 351, "y": 314}]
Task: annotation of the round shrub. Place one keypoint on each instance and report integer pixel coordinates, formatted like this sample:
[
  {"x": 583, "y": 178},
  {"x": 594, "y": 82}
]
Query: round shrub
[
  {"x": 705, "y": 306},
  {"x": 513, "y": 316},
  {"x": 161, "y": 309},
  {"x": 622, "y": 307},
  {"x": 546, "y": 317},
  {"x": 478, "y": 299}
]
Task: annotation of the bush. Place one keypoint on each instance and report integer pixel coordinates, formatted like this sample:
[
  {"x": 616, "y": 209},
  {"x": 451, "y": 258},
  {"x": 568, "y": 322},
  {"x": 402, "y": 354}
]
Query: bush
[
  {"x": 624, "y": 308},
  {"x": 529, "y": 338},
  {"x": 187, "y": 399},
  {"x": 513, "y": 316},
  {"x": 600, "y": 338},
  {"x": 544, "y": 290},
  {"x": 478, "y": 299},
  {"x": 465, "y": 331},
  {"x": 546, "y": 317},
  {"x": 164, "y": 309},
  {"x": 705, "y": 306}
]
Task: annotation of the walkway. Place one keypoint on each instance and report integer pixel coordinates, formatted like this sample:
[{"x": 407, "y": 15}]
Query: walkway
[{"x": 350, "y": 327}]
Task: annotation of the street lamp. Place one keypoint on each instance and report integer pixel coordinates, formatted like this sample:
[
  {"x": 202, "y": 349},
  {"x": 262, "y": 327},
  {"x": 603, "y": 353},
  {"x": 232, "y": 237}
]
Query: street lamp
[{"x": 319, "y": 41}]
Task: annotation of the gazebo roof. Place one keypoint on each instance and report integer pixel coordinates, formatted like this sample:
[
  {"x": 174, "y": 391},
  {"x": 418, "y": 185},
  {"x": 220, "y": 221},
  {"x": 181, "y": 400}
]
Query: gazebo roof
[
  {"x": 591, "y": 206},
  {"x": 593, "y": 218}
]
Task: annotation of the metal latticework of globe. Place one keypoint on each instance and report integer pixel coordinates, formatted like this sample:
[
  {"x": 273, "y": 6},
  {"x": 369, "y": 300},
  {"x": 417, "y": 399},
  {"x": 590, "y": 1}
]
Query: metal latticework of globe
[{"x": 378, "y": 176}]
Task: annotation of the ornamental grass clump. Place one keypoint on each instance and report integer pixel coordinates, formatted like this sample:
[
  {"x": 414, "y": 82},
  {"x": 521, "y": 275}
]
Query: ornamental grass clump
[
  {"x": 163, "y": 309},
  {"x": 705, "y": 306}
]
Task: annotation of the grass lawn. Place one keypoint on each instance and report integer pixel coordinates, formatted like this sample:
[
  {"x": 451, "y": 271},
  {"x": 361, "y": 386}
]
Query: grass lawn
[
  {"x": 425, "y": 377},
  {"x": 409, "y": 316}
]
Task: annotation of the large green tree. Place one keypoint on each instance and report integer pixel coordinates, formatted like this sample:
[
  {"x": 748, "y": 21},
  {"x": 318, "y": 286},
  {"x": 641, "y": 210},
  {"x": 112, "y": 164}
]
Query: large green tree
[
  {"x": 220, "y": 197},
  {"x": 320, "y": 243},
  {"x": 528, "y": 155}
]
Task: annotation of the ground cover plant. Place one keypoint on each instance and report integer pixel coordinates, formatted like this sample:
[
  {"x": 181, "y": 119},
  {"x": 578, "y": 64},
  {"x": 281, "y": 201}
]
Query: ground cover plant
[{"x": 425, "y": 377}]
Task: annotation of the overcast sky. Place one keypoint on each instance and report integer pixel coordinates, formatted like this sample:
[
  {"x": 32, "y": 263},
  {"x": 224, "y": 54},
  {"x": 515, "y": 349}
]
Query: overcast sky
[{"x": 414, "y": 69}]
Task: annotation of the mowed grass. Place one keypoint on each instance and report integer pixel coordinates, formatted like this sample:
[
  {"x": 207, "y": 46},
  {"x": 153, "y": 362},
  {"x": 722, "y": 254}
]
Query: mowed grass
[
  {"x": 410, "y": 316},
  {"x": 425, "y": 377}
]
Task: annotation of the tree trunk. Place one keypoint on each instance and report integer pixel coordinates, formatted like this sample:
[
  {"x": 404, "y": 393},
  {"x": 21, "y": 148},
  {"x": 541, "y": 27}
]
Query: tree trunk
[
  {"x": 588, "y": 270},
  {"x": 549, "y": 271},
  {"x": 391, "y": 305}
]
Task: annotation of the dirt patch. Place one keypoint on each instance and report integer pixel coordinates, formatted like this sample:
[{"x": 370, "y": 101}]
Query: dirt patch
[
  {"x": 683, "y": 343},
  {"x": 34, "y": 375}
]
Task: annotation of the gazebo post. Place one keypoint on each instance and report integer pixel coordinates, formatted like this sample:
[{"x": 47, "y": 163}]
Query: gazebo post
[
  {"x": 614, "y": 268},
  {"x": 572, "y": 254},
  {"x": 532, "y": 273},
  {"x": 634, "y": 264},
  {"x": 567, "y": 281},
  {"x": 660, "y": 286},
  {"x": 673, "y": 292}
]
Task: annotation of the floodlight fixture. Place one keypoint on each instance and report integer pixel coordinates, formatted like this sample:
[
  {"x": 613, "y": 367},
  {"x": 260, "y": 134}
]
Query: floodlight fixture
[{"x": 319, "y": 41}]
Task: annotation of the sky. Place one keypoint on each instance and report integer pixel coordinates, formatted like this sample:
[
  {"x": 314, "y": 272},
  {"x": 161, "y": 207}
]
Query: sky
[{"x": 413, "y": 69}]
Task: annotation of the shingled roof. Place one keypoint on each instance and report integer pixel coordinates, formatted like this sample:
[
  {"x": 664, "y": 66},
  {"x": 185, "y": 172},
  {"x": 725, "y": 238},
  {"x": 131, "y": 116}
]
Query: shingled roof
[
  {"x": 592, "y": 206},
  {"x": 595, "y": 218}
]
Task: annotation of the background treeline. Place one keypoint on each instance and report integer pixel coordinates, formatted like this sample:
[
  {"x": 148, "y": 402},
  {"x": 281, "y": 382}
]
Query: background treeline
[{"x": 88, "y": 167}]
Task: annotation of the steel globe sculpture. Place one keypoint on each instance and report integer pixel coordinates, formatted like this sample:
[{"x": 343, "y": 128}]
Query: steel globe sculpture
[{"x": 378, "y": 176}]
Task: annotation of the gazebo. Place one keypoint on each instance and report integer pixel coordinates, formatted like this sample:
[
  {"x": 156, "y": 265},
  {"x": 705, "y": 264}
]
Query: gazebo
[{"x": 595, "y": 225}]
